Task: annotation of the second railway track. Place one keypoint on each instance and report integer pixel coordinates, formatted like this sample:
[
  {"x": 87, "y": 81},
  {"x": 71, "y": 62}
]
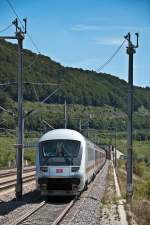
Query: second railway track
[
  {"x": 11, "y": 183},
  {"x": 8, "y": 179},
  {"x": 11, "y": 172}
]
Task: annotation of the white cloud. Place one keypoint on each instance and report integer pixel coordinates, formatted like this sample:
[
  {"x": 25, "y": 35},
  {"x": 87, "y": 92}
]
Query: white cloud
[
  {"x": 87, "y": 27},
  {"x": 82, "y": 27},
  {"x": 108, "y": 41}
]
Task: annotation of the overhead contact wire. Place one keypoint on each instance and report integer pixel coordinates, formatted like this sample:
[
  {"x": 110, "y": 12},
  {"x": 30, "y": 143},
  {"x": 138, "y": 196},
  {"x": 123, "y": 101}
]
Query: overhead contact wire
[
  {"x": 31, "y": 39},
  {"x": 6, "y": 28},
  {"x": 14, "y": 11},
  {"x": 32, "y": 63},
  {"x": 110, "y": 59}
]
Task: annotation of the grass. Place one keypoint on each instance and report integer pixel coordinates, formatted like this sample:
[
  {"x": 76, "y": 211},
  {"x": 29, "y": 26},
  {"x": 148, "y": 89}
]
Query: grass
[
  {"x": 140, "y": 205},
  {"x": 109, "y": 197},
  {"x": 8, "y": 152}
]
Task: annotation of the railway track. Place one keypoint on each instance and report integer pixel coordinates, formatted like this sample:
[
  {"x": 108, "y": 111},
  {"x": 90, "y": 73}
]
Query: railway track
[
  {"x": 8, "y": 179},
  {"x": 13, "y": 172},
  {"x": 33, "y": 210},
  {"x": 11, "y": 183},
  {"x": 52, "y": 213},
  {"x": 45, "y": 213}
]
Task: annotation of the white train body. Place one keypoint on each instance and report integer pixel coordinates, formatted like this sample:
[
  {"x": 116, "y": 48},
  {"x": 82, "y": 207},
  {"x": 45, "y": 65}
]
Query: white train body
[{"x": 66, "y": 162}]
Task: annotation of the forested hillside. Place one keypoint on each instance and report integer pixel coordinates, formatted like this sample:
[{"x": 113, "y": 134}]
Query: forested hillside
[{"x": 78, "y": 86}]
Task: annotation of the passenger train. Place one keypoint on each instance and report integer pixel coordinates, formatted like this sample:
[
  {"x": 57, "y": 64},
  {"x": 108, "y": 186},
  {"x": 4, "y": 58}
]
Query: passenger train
[{"x": 66, "y": 162}]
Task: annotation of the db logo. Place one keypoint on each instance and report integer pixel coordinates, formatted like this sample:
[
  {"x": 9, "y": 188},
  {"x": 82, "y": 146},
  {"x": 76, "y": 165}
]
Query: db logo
[{"x": 59, "y": 170}]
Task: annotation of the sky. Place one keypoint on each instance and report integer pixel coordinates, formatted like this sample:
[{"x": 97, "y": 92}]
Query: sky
[{"x": 85, "y": 33}]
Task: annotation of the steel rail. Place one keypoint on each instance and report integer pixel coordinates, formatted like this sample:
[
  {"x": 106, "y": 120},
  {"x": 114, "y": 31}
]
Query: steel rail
[
  {"x": 64, "y": 212},
  {"x": 29, "y": 213},
  {"x": 9, "y": 184},
  {"x": 7, "y": 174},
  {"x": 14, "y": 179},
  {"x": 32, "y": 211},
  {"x": 67, "y": 208}
]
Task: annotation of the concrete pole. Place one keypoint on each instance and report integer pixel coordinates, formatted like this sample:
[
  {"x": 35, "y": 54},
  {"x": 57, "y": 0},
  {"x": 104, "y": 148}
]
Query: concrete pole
[
  {"x": 113, "y": 155},
  {"x": 65, "y": 114},
  {"x": 80, "y": 125},
  {"x": 20, "y": 134},
  {"x": 130, "y": 52},
  {"x": 88, "y": 128},
  {"x": 115, "y": 150},
  {"x": 19, "y": 155}
]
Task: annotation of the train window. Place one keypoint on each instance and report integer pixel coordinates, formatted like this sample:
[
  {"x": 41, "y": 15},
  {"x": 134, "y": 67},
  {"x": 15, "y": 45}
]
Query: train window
[
  {"x": 54, "y": 150},
  {"x": 96, "y": 155},
  {"x": 60, "y": 148},
  {"x": 49, "y": 149},
  {"x": 90, "y": 153}
]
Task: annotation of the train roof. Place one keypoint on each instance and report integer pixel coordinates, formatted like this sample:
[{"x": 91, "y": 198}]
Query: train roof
[{"x": 66, "y": 134}]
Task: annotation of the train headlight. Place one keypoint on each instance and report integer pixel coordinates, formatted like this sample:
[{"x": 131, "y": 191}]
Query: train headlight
[
  {"x": 44, "y": 168},
  {"x": 43, "y": 186},
  {"x": 75, "y": 168},
  {"x": 74, "y": 187}
]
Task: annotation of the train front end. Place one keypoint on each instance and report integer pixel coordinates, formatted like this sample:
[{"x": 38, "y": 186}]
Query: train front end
[{"x": 59, "y": 169}]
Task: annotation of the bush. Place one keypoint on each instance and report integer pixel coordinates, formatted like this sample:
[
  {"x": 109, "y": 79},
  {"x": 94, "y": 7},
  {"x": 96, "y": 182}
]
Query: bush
[
  {"x": 139, "y": 168},
  {"x": 148, "y": 189}
]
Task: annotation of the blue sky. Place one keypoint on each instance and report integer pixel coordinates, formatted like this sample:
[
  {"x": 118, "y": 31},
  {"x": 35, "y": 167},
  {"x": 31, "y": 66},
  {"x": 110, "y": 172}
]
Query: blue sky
[{"x": 85, "y": 33}]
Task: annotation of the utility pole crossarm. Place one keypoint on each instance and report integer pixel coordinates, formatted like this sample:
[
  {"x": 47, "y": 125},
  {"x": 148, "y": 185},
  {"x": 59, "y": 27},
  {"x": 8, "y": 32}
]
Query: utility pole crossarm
[{"x": 7, "y": 37}]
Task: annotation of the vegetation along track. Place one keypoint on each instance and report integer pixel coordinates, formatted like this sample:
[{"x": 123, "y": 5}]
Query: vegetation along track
[{"x": 46, "y": 213}]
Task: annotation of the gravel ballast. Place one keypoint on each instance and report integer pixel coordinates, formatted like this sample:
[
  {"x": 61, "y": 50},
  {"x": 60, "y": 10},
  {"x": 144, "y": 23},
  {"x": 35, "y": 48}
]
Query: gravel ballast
[
  {"x": 87, "y": 209},
  {"x": 10, "y": 209}
]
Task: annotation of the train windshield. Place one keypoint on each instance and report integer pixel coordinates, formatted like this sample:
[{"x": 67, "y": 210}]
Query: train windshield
[{"x": 60, "y": 152}]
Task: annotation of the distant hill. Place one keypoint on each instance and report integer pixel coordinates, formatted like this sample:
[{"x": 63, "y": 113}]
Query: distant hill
[{"x": 78, "y": 86}]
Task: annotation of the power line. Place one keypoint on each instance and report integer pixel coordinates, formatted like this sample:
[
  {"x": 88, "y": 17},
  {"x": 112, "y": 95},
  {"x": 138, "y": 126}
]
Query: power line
[
  {"x": 11, "y": 6},
  {"x": 35, "y": 58},
  {"x": 40, "y": 84},
  {"x": 45, "y": 122},
  {"x": 32, "y": 63},
  {"x": 14, "y": 11},
  {"x": 110, "y": 59},
  {"x": 30, "y": 82},
  {"x": 33, "y": 42},
  {"x": 31, "y": 39},
  {"x": 6, "y": 28},
  {"x": 34, "y": 110},
  {"x": 8, "y": 83},
  {"x": 49, "y": 96},
  {"x": 6, "y": 110}
]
